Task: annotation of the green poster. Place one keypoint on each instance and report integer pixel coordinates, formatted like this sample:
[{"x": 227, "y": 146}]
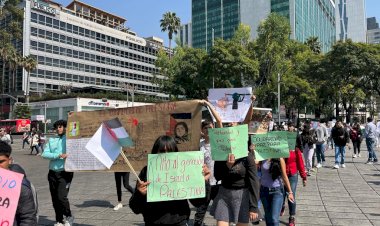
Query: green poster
[
  {"x": 224, "y": 141},
  {"x": 292, "y": 137},
  {"x": 271, "y": 145},
  {"x": 175, "y": 176}
]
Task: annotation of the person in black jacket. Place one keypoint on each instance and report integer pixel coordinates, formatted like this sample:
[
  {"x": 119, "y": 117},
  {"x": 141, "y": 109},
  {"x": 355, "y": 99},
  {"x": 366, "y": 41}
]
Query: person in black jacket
[
  {"x": 175, "y": 212},
  {"x": 26, "y": 210},
  {"x": 341, "y": 140}
]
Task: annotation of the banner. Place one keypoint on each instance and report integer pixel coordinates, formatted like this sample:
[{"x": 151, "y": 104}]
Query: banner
[
  {"x": 231, "y": 104},
  {"x": 175, "y": 176},
  {"x": 10, "y": 188},
  {"x": 144, "y": 124},
  {"x": 224, "y": 141},
  {"x": 292, "y": 139},
  {"x": 271, "y": 145}
]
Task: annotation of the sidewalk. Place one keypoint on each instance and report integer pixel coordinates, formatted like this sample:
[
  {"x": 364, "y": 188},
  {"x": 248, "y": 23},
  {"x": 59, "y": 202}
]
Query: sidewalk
[{"x": 349, "y": 196}]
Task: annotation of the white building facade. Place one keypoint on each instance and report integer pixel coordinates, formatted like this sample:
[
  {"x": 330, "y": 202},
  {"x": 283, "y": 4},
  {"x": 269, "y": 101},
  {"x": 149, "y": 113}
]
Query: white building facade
[{"x": 351, "y": 20}]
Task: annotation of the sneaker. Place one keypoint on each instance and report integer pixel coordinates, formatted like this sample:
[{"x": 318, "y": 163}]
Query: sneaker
[
  {"x": 354, "y": 156},
  {"x": 308, "y": 174},
  {"x": 292, "y": 221},
  {"x": 282, "y": 210},
  {"x": 343, "y": 166},
  {"x": 319, "y": 165},
  {"x": 59, "y": 224},
  {"x": 375, "y": 161},
  {"x": 118, "y": 206},
  {"x": 336, "y": 166},
  {"x": 369, "y": 162},
  {"x": 69, "y": 221}
]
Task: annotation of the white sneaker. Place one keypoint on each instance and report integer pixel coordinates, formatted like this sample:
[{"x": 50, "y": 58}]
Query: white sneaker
[
  {"x": 69, "y": 221},
  {"x": 58, "y": 224},
  {"x": 354, "y": 156},
  {"x": 343, "y": 166},
  {"x": 118, "y": 206},
  {"x": 336, "y": 166},
  {"x": 319, "y": 165}
]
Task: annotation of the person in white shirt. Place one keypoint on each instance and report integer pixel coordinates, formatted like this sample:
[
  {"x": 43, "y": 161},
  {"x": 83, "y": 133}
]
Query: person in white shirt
[
  {"x": 5, "y": 137},
  {"x": 378, "y": 133}
]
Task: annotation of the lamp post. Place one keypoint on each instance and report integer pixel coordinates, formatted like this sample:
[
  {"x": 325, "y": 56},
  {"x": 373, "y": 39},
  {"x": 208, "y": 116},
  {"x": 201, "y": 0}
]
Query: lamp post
[{"x": 278, "y": 98}]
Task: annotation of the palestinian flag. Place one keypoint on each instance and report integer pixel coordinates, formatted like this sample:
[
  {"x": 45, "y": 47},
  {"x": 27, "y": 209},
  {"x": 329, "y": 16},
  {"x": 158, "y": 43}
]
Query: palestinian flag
[{"x": 118, "y": 132}]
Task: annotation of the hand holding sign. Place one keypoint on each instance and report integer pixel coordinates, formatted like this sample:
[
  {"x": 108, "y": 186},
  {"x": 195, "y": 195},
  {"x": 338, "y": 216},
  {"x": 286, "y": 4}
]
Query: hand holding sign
[{"x": 10, "y": 188}]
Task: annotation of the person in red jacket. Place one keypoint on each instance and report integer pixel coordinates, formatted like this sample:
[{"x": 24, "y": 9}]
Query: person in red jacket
[{"x": 294, "y": 164}]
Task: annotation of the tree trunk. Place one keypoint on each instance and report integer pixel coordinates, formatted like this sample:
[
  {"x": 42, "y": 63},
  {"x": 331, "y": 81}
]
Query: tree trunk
[
  {"x": 337, "y": 109},
  {"x": 170, "y": 48}
]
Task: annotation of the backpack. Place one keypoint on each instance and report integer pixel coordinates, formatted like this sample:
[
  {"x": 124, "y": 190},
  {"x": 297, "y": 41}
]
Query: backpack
[{"x": 29, "y": 184}]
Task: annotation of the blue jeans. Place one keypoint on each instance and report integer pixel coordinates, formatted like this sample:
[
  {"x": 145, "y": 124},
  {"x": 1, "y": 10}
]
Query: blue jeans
[
  {"x": 371, "y": 148},
  {"x": 320, "y": 152},
  {"x": 272, "y": 199},
  {"x": 293, "y": 180},
  {"x": 339, "y": 150}
]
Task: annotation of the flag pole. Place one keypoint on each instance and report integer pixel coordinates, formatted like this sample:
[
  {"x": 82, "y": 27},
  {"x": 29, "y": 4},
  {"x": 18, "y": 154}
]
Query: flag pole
[{"x": 130, "y": 166}]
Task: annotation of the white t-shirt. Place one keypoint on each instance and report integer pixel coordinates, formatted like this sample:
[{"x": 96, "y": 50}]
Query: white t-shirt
[{"x": 206, "y": 149}]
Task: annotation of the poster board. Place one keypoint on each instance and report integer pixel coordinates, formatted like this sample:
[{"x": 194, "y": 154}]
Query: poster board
[
  {"x": 231, "y": 104},
  {"x": 292, "y": 140},
  {"x": 144, "y": 124},
  {"x": 271, "y": 145},
  {"x": 175, "y": 176},
  {"x": 260, "y": 121},
  {"x": 10, "y": 189}
]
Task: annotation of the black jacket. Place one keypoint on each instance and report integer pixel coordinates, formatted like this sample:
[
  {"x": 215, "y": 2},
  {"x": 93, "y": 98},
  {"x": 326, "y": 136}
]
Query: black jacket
[
  {"x": 26, "y": 210},
  {"x": 161, "y": 213},
  {"x": 340, "y": 136},
  {"x": 243, "y": 174}
]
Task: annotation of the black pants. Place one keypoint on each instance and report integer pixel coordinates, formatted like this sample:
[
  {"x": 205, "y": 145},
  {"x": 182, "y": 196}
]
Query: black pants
[
  {"x": 25, "y": 141},
  {"x": 356, "y": 145},
  {"x": 122, "y": 176},
  {"x": 35, "y": 147},
  {"x": 59, "y": 184},
  {"x": 201, "y": 210}
]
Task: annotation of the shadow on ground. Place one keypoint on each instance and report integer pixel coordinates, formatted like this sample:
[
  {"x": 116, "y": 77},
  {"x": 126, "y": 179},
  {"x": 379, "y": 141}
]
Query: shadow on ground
[{"x": 97, "y": 203}]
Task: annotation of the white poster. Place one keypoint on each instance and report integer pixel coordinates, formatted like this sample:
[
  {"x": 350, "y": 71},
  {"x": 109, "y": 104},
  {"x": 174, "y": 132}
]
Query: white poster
[{"x": 232, "y": 104}]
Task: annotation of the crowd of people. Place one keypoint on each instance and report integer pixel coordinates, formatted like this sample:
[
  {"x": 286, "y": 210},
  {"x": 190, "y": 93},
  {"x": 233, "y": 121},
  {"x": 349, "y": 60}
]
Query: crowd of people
[{"x": 236, "y": 187}]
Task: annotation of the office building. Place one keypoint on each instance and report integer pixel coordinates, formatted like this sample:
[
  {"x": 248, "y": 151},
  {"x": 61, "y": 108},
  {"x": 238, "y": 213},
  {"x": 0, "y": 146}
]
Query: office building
[
  {"x": 220, "y": 18},
  {"x": 351, "y": 22},
  {"x": 185, "y": 35},
  {"x": 373, "y": 31},
  {"x": 80, "y": 46},
  {"x": 372, "y": 23}
]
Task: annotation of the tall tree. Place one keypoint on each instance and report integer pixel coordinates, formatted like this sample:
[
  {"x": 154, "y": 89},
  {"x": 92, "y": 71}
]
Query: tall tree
[
  {"x": 170, "y": 23},
  {"x": 29, "y": 64},
  {"x": 314, "y": 44}
]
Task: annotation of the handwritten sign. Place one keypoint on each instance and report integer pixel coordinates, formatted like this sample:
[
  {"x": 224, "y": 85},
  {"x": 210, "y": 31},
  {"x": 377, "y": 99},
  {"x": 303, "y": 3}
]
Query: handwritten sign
[
  {"x": 271, "y": 145},
  {"x": 228, "y": 140},
  {"x": 175, "y": 176},
  {"x": 10, "y": 188},
  {"x": 292, "y": 137}
]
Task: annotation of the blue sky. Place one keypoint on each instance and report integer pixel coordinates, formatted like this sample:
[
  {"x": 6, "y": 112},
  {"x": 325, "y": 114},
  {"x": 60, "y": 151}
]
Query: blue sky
[{"x": 143, "y": 16}]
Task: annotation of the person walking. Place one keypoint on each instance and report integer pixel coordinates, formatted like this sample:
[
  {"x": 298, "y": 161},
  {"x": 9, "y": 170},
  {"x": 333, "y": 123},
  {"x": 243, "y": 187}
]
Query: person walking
[
  {"x": 356, "y": 138},
  {"x": 294, "y": 165},
  {"x": 25, "y": 139},
  {"x": 322, "y": 136},
  {"x": 370, "y": 139},
  {"x": 308, "y": 138},
  {"x": 5, "y": 137},
  {"x": 59, "y": 179},
  {"x": 341, "y": 140},
  {"x": 121, "y": 177},
  {"x": 34, "y": 144}
]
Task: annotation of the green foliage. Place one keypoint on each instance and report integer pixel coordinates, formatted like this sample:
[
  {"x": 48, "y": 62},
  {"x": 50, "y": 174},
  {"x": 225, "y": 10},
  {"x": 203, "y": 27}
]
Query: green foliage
[
  {"x": 170, "y": 23},
  {"x": 21, "y": 112},
  {"x": 314, "y": 45}
]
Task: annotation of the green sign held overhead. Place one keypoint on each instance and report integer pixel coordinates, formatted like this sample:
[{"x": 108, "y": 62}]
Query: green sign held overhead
[
  {"x": 271, "y": 145},
  {"x": 292, "y": 137},
  {"x": 175, "y": 176},
  {"x": 224, "y": 141}
]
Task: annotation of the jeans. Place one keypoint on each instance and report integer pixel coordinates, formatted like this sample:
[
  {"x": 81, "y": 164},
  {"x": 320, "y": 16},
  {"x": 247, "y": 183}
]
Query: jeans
[
  {"x": 320, "y": 151},
  {"x": 293, "y": 180},
  {"x": 272, "y": 199},
  {"x": 371, "y": 149},
  {"x": 308, "y": 156},
  {"x": 339, "y": 150},
  {"x": 25, "y": 141},
  {"x": 59, "y": 185},
  {"x": 356, "y": 145}
]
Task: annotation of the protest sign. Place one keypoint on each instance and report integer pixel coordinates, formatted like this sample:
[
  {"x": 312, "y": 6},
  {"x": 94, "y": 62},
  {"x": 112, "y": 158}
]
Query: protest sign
[
  {"x": 231, "y": 104},
  {"x": 10, "y": 188},
  {"x": 259, "y": 123},
  {"x": 292, "y": 137},
  {"x": 181, "y": 120},
  {"x": 224, "y": 141},
  {"x": 271, "y": 145},
  {"x": 175, "y": 176}
]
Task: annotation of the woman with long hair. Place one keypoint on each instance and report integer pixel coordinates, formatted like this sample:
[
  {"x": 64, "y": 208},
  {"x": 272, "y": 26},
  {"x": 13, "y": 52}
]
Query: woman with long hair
[
  {"x": 356, "y": 138},
  {"x": 308, "y": 138}
]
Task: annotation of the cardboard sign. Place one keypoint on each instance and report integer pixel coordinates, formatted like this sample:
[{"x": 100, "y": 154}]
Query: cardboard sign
[
  {"x": 231, "y": 104},
  {"x": 271, "y": 145},
  {"x": 181, "y": 120},
  {"x": 175, "y": 176},
  {"x": 260, "y": 121},
  {"x": 224, "y": 141},
  {"x": 292, "y": 138},
  {"x": 10, "y": 188}
]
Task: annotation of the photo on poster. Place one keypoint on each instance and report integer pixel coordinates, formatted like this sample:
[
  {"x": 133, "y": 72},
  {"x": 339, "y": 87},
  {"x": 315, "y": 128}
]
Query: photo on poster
[{"x": 73, "y": 129}]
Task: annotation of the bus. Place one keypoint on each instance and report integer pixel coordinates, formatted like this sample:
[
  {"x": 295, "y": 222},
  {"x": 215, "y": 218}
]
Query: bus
[{"x": 14, "y": 126}]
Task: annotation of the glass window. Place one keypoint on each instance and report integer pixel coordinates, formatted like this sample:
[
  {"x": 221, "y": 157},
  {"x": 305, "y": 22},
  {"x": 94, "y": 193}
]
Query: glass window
[
  {"x": 69, "y": 40},
  {"x": 49, "y": 35},
  {"x": 48, "y": 48},
  {"x": 41, "y": 33},
  {"x": 56, "y": 49},
  {"x": 56, "y": 24},
  {"x": 69, "y": 28},
  {"x": 34, "y": 31},
  {"x": 56, "y": 37},
  {"x": 41, "y": 46},
  {"x": 75, "y": 29},
  {"x": 81, "y": 31},
  {"x": 41, "y": 19},
  {"x": 49, "y": 21},
  {"x": 62, "y": 26},
  {"x": 34, "y": 17},
  {"x": 62, "y": 38}
]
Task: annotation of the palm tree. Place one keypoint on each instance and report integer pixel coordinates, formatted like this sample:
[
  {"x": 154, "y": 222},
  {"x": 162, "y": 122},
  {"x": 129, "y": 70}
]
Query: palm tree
[
  {"x": 5, "y": 53},
  {"x": 13, "y": 63},
  {"x": 314, "y": 44},
  {"x": 170, "y": 23},
  {"x": 29, "y": 64}
]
